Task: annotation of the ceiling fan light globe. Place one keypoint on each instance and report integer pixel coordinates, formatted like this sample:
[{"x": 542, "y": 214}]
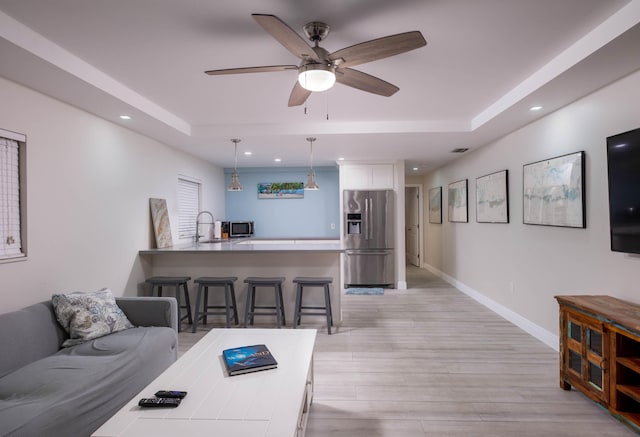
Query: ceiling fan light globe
[{"x": 316, "y": 77}]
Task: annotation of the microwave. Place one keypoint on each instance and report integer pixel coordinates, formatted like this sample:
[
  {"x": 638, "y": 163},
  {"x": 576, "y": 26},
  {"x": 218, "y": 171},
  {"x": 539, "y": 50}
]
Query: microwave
[{"x": 238, "y": 229}]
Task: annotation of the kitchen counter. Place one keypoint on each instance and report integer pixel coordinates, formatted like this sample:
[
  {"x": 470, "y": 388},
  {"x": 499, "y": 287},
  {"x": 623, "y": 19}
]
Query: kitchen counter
[
  {"x": 288, "y": 257},
  {"x": 254, "y": 245}
]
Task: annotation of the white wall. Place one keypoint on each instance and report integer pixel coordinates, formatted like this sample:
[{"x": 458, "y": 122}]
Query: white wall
[
  {"x": 88, "y": 187},
  {"x": 522, "y": 267}
]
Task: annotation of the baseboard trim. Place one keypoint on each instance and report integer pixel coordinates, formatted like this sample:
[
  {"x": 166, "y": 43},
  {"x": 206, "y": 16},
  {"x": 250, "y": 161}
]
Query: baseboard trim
[{"x": 546, "y": 337}]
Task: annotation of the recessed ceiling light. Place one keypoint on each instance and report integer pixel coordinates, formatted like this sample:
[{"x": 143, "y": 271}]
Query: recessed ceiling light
[
  {"x": 415, "y": 168},
  {"x": 341, "y": 159},
  {"x": 535, "y": 108},
  {"x": 247, "y": 153},
  {"x": 125, "y": 117},
  {"x": 277, "y": 160}
]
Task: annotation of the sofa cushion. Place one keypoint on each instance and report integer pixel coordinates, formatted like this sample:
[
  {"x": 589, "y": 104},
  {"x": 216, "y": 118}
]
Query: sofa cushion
[
  {"x": 28, "y": 335},
  {"x": 74, "y": 391},
  {"x": 86, "y": 316}
]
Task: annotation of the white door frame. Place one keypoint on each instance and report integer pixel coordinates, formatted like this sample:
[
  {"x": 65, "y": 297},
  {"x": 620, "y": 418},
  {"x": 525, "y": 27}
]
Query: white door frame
[{"x": 420, "y": 221}]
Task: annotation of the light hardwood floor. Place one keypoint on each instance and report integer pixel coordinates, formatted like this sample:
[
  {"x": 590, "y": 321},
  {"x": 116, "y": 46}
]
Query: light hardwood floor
[{"x": 430, "y": 361}]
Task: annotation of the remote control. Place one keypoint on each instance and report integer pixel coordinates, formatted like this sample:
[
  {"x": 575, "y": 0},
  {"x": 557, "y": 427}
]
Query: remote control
[
  {"x": 172, "y": 394},
  {"x": 159, "y": 403}
]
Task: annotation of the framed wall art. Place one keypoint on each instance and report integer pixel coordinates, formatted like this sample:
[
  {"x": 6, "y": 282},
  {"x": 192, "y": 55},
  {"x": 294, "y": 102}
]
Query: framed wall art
[
  {"x": 492, "y": 198},
  {"x": 554, "y": 192},
  {"x": 457, "y": 194},
  {"x": 161, "y": 225},
  {"x": 280, "y": 190},
  {"x": 435, "y": 205}
]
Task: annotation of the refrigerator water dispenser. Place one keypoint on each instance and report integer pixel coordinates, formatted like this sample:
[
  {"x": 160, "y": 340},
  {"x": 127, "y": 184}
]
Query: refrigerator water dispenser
[{"x": 354, "y": 224}]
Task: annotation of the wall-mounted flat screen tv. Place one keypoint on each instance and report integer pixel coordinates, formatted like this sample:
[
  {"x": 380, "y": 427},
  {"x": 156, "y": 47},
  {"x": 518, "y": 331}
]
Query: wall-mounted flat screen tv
[{"x": 623, "y": 162}]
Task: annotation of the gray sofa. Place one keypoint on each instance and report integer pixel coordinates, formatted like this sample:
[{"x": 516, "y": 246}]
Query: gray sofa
[{"x": 49, "y": 391}]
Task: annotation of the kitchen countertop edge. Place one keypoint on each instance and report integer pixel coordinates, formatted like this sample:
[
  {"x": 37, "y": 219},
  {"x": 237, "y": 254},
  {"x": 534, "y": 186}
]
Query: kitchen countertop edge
[{"x": 280, "y": 245}]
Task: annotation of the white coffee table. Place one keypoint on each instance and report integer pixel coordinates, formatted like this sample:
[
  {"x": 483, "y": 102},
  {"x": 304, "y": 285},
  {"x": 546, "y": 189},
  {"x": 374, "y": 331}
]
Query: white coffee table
[{"x": 269, "y": 403}]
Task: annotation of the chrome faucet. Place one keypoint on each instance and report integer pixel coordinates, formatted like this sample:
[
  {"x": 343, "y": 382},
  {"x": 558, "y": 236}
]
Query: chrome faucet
[{"x": 197, "y": 237}]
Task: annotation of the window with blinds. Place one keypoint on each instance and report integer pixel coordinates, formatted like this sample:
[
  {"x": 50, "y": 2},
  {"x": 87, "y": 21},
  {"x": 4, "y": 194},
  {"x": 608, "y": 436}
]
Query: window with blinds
[
  {"x": 10, "y": 205},
  {"x": 188, "y": 206}
]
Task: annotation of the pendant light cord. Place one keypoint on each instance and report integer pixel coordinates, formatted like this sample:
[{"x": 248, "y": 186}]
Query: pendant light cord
[
  {"x": 311, "y": 140},
  {"x": 327, "y": 106},
  {"x": 235, "y": 142},
  {"x": 235, "y": 165}
]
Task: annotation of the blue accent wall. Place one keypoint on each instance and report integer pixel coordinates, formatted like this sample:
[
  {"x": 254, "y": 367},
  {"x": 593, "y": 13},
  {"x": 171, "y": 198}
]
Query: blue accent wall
[{"x": 310, "y": 217}]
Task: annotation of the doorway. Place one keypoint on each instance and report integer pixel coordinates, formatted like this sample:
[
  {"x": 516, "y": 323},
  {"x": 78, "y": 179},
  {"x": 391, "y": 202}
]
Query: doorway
[{"x": 413, "y": 221}]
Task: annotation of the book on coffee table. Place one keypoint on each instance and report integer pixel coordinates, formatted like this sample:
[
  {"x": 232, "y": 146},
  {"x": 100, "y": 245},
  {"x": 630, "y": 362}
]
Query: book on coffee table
[{"x": 245, "y": 359}]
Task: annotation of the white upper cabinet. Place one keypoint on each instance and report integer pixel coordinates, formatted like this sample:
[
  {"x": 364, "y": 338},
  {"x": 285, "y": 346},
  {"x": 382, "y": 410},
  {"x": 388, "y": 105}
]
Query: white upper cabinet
[{"x": 367, "y": 176}]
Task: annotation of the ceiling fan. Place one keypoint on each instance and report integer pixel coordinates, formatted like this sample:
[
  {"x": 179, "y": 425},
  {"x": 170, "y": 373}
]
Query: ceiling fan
[{"x": 319, "y": 69}]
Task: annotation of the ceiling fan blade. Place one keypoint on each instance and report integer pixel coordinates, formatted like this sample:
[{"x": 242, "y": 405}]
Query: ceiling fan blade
[
  {"x": 378, "y": 49},
  {"x": 286, "y": 36},
  {"x": 365, "y": 82},
  {"x": 298, "y": 95},
  {"x": 264, "y": 69}
]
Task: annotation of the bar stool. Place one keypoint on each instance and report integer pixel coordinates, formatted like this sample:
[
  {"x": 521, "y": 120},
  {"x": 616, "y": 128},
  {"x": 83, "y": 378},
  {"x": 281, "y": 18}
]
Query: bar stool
[
  {"x": 302, "y": 282},
  {"x": 175, "y": 281},
  {"x": 229, "y": 299},
  {"x": 258, "y": 282}
]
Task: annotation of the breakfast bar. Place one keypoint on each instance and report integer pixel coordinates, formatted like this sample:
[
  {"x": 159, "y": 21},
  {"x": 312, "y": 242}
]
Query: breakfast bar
[{"x": 254, "y": 257}]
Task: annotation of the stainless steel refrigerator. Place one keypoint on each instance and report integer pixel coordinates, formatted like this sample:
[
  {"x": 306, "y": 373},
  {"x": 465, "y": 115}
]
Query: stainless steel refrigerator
[{"x": 368, "y": 238}]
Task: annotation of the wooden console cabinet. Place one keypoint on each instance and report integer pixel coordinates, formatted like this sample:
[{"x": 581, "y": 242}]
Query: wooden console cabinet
[{"x": 600, "y": 352}]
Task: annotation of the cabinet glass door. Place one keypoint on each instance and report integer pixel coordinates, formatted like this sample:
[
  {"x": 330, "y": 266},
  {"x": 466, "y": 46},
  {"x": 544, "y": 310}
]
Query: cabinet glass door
[
  {"x": 574, "y": 331},
  {"x": 594, "y": 351},
  {"x": 595, "y": 341},
  {"x": 585, "y": 353}
]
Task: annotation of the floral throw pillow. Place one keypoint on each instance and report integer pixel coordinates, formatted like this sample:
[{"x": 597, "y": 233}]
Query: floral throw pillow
[{"x": 88, "y": 315}]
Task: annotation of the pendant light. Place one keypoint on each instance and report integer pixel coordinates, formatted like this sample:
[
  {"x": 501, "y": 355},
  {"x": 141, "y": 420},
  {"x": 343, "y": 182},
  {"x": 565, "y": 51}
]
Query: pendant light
[
  {"x": 311, "y": 181},
  {"x": 235, "y": 182}
]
